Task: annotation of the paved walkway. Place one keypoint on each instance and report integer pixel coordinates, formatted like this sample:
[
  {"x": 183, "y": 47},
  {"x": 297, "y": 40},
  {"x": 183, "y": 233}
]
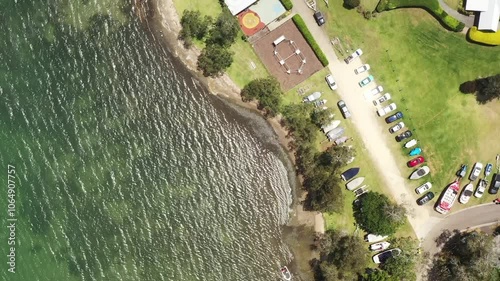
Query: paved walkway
[{"x": 468, "y": 21}]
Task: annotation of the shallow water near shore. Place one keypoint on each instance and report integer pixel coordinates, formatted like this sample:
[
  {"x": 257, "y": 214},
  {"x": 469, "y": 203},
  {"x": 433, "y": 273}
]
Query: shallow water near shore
[{"x": 125, "y": 168}]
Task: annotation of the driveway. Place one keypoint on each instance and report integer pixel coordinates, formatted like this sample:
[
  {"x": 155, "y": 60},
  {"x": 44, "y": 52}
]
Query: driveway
[{"x": 372, "y": 131}]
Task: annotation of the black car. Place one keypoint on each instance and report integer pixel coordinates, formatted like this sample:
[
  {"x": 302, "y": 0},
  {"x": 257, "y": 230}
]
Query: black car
[
  {"x": 403, "y": 136},
  {"x": 394, "y": 117},
  {"x": 320, "y": 19},
  {"x": 426, "y": 198},
  {"x": 495, "y": 184}
]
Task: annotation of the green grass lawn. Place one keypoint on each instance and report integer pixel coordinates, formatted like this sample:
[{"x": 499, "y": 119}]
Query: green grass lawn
[
  {"x": 244, "y": 68},
  {"x": 344, "y": 221},
  {"x": 422, "y": 65}
]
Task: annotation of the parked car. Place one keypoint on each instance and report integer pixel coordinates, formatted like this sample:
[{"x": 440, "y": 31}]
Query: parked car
[
  {"x": 394, "y": 117},
  {"x": 476, "y": 171},
  {"x": 423, "y": 188},
  {"x": 343, "y": 109},
  {"x": 382, "y": 99},
  {"x": 425, "y": 199},
  {"x": 361, "y": 69},
  {"x": 354, "y": 55},
  {"x": 384, "y": 256},
  {"x": 373, "y": 92},
  {"x": 383, "y": 111},
  {"x": 411, "y": 143},
  {"x": 463, "y": 170},
  {"x": 487, "y": 169},
  {"x": 416, "y": 161},
  {"x": 366, "y": 81},
  {"x": 420, "y": 173},
  {"x": 466, "y": 193},
  {"x": 403, "y": 136},
  {"x": 495, "y": 184},
  {"x": 331, "y": 82},
  {"x": 481, "y": 188},
  {"x": 396, "y": 127},
  {"x": 416, "y": 151},
  {"x": 319, "y": 18}
]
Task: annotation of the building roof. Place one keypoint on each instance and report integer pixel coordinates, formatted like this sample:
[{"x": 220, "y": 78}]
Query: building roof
[
  {"x": 489, "y": 13},
  {"x": 236, "y": 6}
]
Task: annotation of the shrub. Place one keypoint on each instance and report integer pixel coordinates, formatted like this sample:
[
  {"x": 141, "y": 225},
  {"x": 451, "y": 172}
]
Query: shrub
[
  {"x": 431, "y": 6},
  {"x": 301, "y": 25},
  {"x": 351, "y": 4},
  {"x": 287, "y": 4},
  {"x": 489, "y": 38},
  {"x": 367, "y": 15}
]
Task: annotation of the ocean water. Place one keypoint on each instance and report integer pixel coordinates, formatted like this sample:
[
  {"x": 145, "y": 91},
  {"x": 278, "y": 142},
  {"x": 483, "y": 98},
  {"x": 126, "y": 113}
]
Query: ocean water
[{"x": 118, "y": 165}]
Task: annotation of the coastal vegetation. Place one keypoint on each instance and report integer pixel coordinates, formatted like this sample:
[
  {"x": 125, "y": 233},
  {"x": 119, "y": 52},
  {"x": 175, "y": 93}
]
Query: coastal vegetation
[
  {"x": 431, "y": 6},
  {"x": 486, "y": 89},
  {"x": 268, "y": 93},
  {"x": 214, "y": 59},
  {"x": 467, "y": 256},
  {"x": 194, "y": 26},
  {"x": 342, "y": 257},
  {"x": 301, "y": 25}
]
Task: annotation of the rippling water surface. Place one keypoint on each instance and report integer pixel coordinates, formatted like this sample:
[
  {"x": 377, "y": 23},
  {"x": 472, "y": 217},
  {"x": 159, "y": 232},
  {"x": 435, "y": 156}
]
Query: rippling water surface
[{"x": 125, "y": 168}]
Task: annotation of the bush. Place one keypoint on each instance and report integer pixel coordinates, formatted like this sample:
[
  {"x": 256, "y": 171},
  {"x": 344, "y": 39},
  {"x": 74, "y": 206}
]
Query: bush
[
  {"x": 301, "y": 25},
  {"x": 367, "y": 15},
  {"x": 431, "y": 6},
  {"x": 351, "y": 4},
  {"x": 489, "y": 38},
  {"x": 287, "y": 4}
]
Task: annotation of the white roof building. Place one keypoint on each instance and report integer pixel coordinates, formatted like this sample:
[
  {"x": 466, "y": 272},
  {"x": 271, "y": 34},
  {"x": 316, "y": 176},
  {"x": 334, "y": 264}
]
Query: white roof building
[
  {"x": 489, "y": 13},
  {"x": 236, "y": 6}
]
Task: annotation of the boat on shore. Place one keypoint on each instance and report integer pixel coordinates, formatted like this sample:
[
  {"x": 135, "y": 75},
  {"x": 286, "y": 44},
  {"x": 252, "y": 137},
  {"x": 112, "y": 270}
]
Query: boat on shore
[
  {"x": 380, "y": 246},
  {"x": 354, "y": 183},
  {"x": 448, "y": 198},
  {"x": 375, "y": 238},
  {"x": 285, "y": 273}
]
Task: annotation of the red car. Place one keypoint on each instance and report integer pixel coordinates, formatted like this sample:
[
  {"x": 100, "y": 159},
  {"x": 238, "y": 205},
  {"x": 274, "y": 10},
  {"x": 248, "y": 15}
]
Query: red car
[{"x": 415, "y": 161}]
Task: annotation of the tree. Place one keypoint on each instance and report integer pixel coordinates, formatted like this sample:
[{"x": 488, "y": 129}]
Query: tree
[
  {"x": 486, "y": 89},
  {"x": 351, "y": 4},
  {"x": 378, "y": 275},
  {"x": 373, "y": 215},
  {"x": 321, "y": 117},
  {"x": 324, "y": 193},
  {"x": 194, "y": 26},
  {"x": 214, "y": 59},
  {"x": 467, "y": 256},
  {"x": 267, "y": 91},
  {"x": 225, "y": 29},
  {"x": 335, "y": 157}
]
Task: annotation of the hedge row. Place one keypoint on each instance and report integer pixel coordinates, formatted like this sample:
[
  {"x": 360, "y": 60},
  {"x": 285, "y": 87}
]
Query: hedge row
[
  {"x": 287, "y": 4},
  {"x": 489, "y": 38},
  {"x": 432, "y": 6},
  {"x": 301, "y": 25}
]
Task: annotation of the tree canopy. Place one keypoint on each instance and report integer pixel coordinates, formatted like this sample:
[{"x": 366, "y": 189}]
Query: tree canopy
[
  {"x": 467, "y": 256},
  {"x": 194, "y": 26},
  {"x": 267, "y": 91},
  {"x": 486, "y": 89},
  {"x": 377, "y": 214},
  {"x": 225, "y": 29},
  {"x": 214, "y": 59}
]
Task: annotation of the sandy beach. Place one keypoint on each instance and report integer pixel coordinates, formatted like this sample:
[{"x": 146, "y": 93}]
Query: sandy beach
[{"x": 165, "y": 14}]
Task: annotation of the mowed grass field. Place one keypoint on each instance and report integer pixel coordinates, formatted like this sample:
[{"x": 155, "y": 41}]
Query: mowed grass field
[
  {"x": 422, "y": 65},
  {"x": 246, "y": 64},
  {"x": 344, "y": 221}
]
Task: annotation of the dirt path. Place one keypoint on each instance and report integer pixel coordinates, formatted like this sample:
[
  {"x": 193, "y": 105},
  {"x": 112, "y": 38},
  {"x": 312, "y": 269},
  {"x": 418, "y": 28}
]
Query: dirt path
[{"x": 373, "y": 132}]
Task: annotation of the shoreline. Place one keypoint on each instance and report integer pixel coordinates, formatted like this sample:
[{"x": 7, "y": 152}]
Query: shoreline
[{"x": 165, "y": 15}]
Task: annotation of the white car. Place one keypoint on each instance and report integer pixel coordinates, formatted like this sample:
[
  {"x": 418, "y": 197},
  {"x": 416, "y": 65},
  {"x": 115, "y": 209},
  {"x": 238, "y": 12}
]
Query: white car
[
  {"x": 373, "y": 92},
  {"x": 466, "y": 193},
  {"x": 396, "y": 127},
  {"x": 476, "y": 171},
  {"x": 331, "y": 82},
  {"x": 423, "y": 188},
  {"x": 382, "y": 99},
  {"x": 383, "y": 111},
  {"x": 361, "y": 69},
  {"x": 481, "y": 188},
  {"x": 354, "y": 55}
]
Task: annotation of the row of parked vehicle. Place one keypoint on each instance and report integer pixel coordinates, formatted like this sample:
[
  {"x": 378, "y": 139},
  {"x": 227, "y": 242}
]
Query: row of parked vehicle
[{"x": 378, "y": 98}]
